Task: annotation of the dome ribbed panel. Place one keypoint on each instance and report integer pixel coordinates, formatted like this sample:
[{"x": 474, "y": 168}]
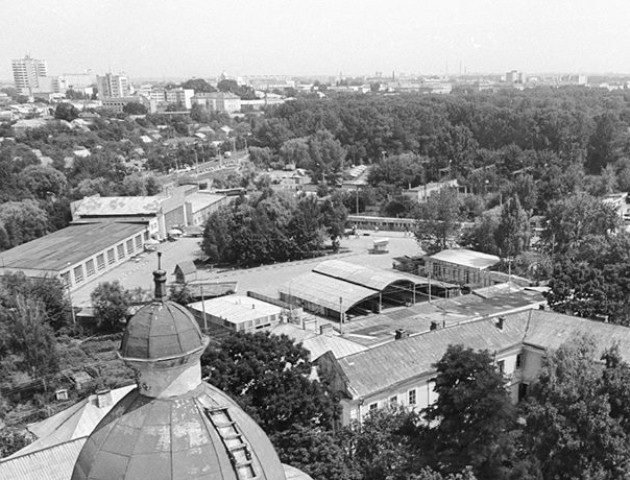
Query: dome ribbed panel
[{"x": 161, "y": 330}]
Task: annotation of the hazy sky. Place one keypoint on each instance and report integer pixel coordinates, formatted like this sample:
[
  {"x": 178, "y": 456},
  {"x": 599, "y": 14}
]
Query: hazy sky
[{"x": 185, "y": 38}]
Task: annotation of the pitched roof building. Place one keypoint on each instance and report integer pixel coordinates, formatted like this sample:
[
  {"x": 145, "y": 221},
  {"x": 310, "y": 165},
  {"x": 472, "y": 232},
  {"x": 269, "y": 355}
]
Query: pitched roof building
[{"x": 401, "y": 372}]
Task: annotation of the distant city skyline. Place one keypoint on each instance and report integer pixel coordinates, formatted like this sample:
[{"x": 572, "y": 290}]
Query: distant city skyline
[{"x": 194, "y": 38}]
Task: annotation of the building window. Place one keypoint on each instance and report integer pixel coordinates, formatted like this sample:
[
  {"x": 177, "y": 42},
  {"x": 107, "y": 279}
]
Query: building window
[
  {"x": 130, "y": 246},
  {"x": 519, "y": 361},
  {"x": 100, "y": 261},
  {"x": 373, "y": 406},
  {"x": 89, "y": 266},
  {"x": 146, "y": 236},
  {"x": 111, "y": 258},
  {"x": 393, "y": 401},
  {"x": 501, "y": 365},
  {"x": 65, "y": 279},
  {"x": 522, "y": 391},
  {"x": 412, "y": 397},
  {"x": 78, "y": 274},
  {"x": 121, "y": 251},
  {"x": 139, "y": 242}
]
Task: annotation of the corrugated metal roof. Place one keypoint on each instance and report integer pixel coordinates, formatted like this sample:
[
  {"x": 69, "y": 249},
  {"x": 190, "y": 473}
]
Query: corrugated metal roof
[
  {"x": 549, "y": 330},
  {"x": 326, "y": 291},
  {"x": 104, "y": 206},
  {"x": 467, "y": 258},
  {"x": 374, "y": 278},
  {"x": 318, "y": 344},
  {"x": 384, "y": 366},
  {"x": 74, "y": 422},
  {"x": 54, "y": 463},
  {"x": 339, "y": 346},
  {"x": 236, "y": 308},
  {"x": 68, "y": 246}
]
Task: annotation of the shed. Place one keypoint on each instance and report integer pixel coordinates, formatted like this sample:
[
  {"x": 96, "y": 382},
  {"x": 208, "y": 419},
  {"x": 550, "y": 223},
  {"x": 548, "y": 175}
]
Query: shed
[{"x": 185, "y": 272}]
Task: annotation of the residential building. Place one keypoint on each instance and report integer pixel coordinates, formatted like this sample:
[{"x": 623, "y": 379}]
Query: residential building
[
  {"x": 112, "y": 86},
  {"x": 117, "y": 104},
  {"x": 421, "y": 193},
  {"x": 180, "y": 96},
  {"x": 218, "y": 102},
  {"x": 27, "y": 73},
  {"x": 402, "y": 372}
]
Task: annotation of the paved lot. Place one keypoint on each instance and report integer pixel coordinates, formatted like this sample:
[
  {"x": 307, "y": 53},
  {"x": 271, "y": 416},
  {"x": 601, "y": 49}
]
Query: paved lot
[{"x": 134, "y": 274}]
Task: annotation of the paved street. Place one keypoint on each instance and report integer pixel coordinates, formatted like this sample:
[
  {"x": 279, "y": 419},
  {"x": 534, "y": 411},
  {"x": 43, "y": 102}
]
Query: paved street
[{"x": 133, "y": 274}]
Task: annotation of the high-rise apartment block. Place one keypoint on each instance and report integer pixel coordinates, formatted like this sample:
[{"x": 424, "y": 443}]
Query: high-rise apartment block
[
  {"x": 112, "y": 86},
  {"x": 27, "y": 73}
]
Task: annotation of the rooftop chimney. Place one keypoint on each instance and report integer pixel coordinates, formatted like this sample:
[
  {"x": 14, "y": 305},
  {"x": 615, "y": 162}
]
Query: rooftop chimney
[{"x": 500, "y": 322}]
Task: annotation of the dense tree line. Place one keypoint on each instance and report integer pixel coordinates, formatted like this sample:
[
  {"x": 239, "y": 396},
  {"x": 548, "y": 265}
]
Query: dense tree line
[{"x": 272, "y": 227}]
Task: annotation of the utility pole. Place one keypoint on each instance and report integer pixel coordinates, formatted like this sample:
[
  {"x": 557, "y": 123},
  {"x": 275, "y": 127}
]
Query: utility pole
[{"x": 341, "y": 315}]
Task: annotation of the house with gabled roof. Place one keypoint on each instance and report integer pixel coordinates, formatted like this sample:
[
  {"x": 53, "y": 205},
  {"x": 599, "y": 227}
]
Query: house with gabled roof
[{"x": 402, "y": 372}]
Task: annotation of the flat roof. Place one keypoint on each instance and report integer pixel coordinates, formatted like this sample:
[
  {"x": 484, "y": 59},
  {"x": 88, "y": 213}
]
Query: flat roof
[
  {"x": 199, "y": 201},
  {"x": 467, "y": 258},
  {"x": 95, "y": 205},
  {"x": 236, "y": 308},
  {"x": 67, "y": 246},
  {"x": 326, "y": 291}
]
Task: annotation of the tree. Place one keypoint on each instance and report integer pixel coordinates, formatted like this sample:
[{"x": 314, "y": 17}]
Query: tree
[
  {"x": 512, "y": 233},
  {"x": 470, "y": 418},
  {"x": 22, "y": 222},
  {"x": 181, "y": 294},
  {"x": 66, "y": 111},
  {"x": 570, "y": 429},
  {"x": 31, "y": 337},
  {"x": 199, "y": 85},
  {"x": 296, "y": 152},
  {"x": 268, "y": 376},
  {"x": 386, "y": 445},
  {"x": 43, "y": 181},
  {"x": 593, "y": 280},
  {"x": 13, "y": 439},
  {"x": 571, "y": 220},
  {"x": 438, "y": 220},
  {"x": 319, "y": 453},
  {"x": 134, "y": 108},
  {"x": 111, "y": 305},
  {"x": 327, "y": 156},
  {"x": 48, "y": 290},
  {"x": 398, "y": 172}
]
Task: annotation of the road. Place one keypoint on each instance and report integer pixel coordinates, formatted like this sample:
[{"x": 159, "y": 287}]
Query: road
[{"x": 134, "y": 274}]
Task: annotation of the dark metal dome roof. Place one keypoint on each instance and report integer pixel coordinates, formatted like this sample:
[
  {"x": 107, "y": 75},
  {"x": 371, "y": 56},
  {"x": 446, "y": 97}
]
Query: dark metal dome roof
[
  {"x": 200, "y": 435},
  {"x": 161, "y": 330}
]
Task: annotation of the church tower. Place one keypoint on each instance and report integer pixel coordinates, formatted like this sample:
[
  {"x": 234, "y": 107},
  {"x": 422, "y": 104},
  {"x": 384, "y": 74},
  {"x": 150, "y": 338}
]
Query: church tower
[{"x": 174, "y": 426}]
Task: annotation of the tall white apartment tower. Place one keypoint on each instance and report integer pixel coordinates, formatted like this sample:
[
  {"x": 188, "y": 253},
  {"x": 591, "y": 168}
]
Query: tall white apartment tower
[
  {"x": 112, "y": 86},
  {"x": 27, "y": 72}
]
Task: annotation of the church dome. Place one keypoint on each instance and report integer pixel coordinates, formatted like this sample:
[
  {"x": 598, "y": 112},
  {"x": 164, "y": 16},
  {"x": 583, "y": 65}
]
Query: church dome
[
  {"x": 161, "y": 330},
  {"x": 173, "y": 426},
  {"x": 200, "y": 435}
]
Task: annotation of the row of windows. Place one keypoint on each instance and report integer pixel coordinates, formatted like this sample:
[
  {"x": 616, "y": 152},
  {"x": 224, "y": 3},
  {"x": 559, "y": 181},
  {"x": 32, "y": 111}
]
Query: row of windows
[
  {"x": 91, "y": 267},
  {"x": 412, "y": 395},
  {"x": 393, "y": 400}
]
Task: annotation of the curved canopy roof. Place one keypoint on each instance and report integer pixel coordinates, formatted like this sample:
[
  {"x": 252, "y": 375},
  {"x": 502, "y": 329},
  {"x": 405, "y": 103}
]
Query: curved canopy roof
[
  {"x": 374, "y": 278},
  {"x": 326, "y": 291}
]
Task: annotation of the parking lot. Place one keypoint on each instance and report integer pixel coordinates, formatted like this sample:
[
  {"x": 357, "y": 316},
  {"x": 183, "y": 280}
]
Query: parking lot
[{"x": 138, "y": 273}]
